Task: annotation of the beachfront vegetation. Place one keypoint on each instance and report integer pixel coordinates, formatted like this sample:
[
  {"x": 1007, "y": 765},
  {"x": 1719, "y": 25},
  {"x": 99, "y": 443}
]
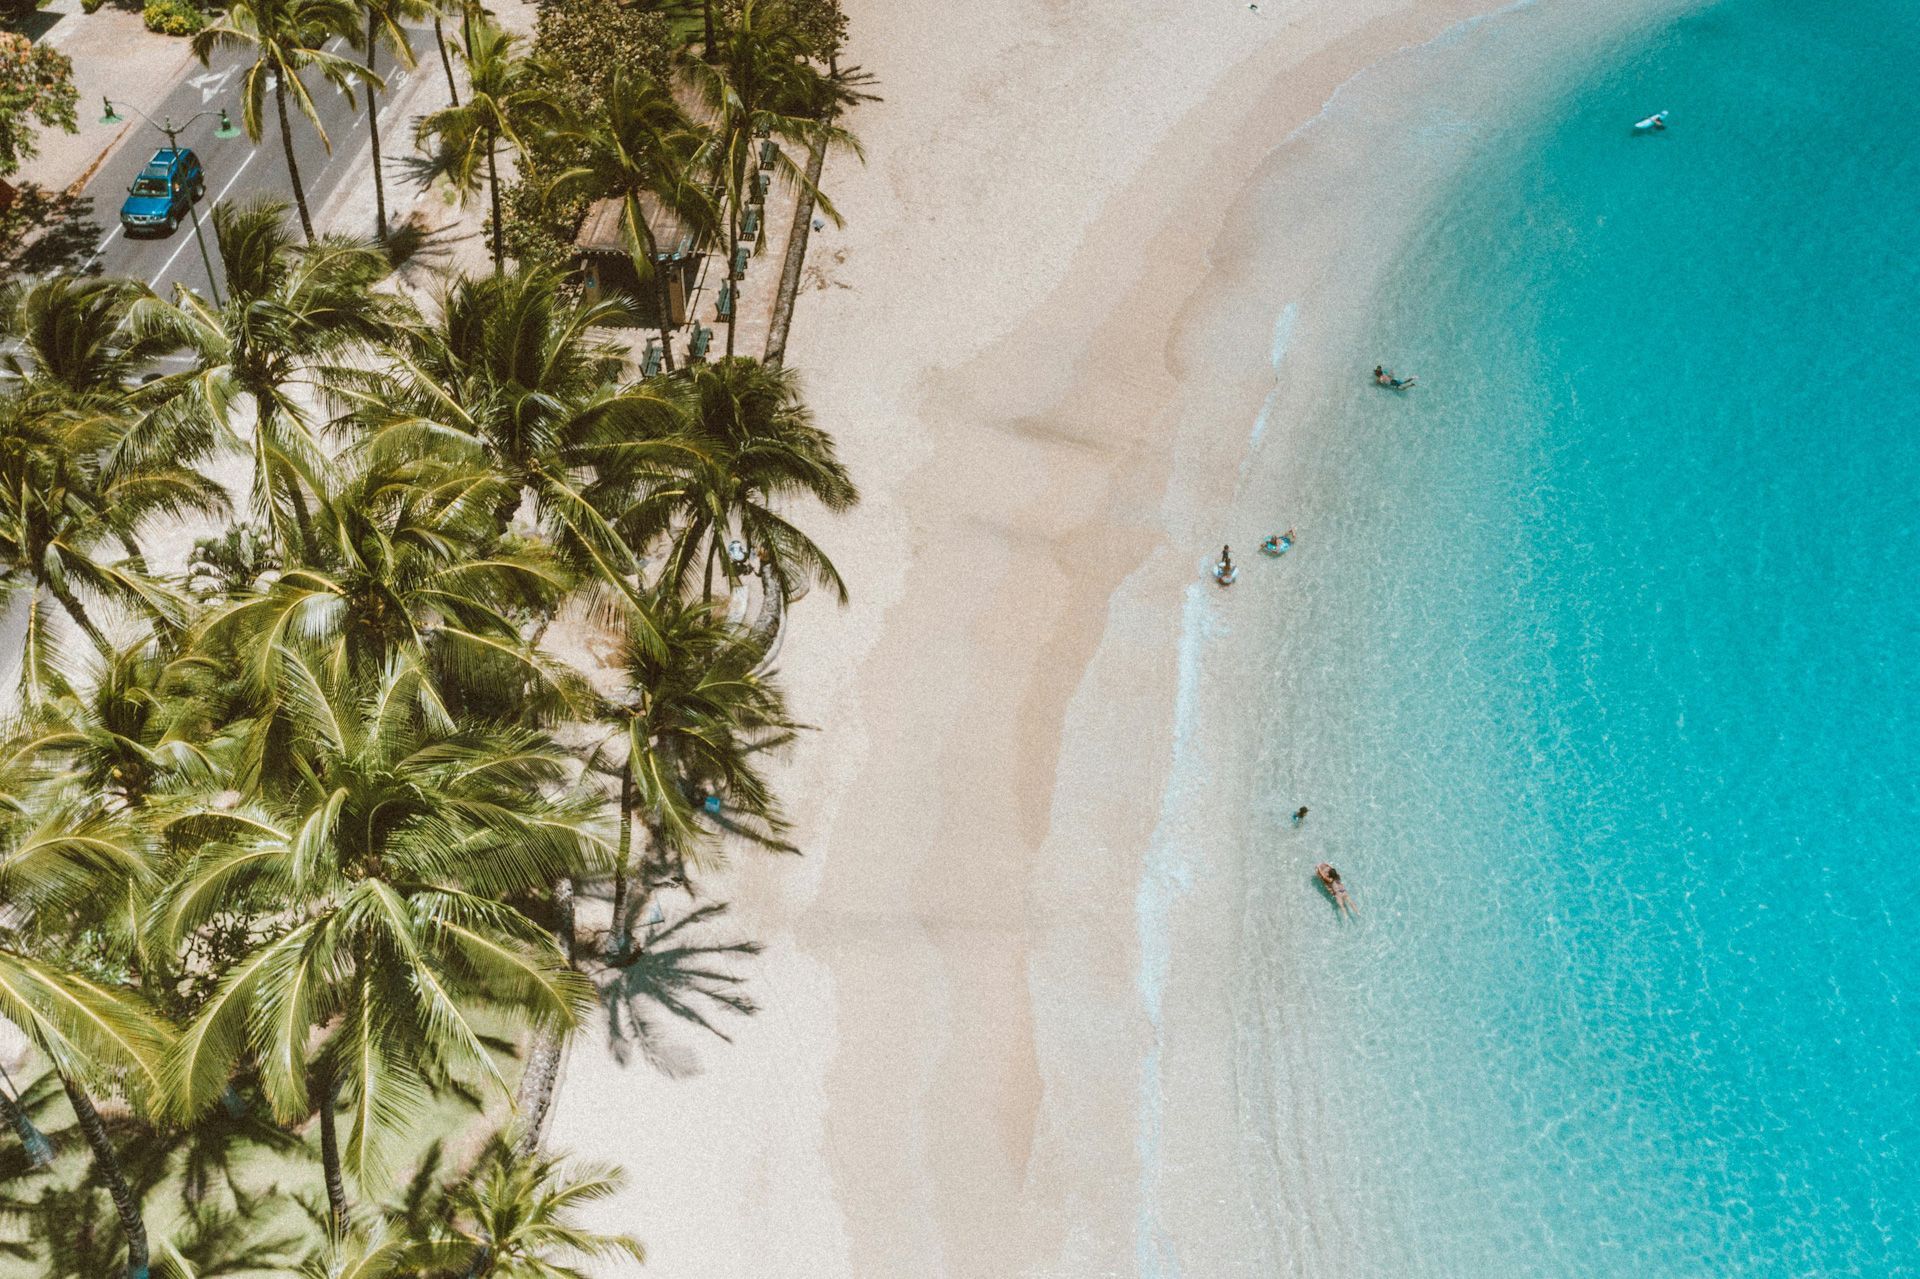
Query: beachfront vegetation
[
  {"x": 509, "y": 99},
  {"x": 291, "y": 839},
  {"x": 36, "y": 92}
]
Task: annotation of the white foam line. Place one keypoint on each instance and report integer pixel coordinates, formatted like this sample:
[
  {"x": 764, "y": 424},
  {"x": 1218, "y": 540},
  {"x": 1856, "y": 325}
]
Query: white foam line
[
  {"x": 1166, "y": 878},
  {"x": 1282, "y": 339},
  {"x": 1454, "y": 32}
]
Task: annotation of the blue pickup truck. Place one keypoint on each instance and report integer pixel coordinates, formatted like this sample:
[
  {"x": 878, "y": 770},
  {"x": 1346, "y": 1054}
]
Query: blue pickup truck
[{"x": 164, "y": 191}]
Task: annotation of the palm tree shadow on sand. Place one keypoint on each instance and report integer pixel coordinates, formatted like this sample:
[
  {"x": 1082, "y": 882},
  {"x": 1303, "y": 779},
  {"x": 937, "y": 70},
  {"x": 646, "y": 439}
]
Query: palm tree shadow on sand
[{"x": 677, "y": 970}]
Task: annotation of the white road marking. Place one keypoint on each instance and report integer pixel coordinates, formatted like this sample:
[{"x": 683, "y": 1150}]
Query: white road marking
[
  {"x": 211, "y": 83},
  {"x": 101, "y": 249},
  {"x": 171, "y": 258}
]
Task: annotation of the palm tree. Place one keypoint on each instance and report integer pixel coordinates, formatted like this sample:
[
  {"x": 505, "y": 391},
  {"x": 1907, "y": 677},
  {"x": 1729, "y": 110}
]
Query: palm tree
[
  {"x": 287, "y": 37},
  {"x": 385, "y": 25},
  {"x": 507, "y": 95},
  {"x": 440, "y": 42},
  {"x": 513, "y": 1219},
  {"x": 692, "y": 714},
  {"x": 510, "y": 1218},
  {"x": 644, "y": 145},
  {"x": 404, "y": 838},
  {"x": 290, "y": 308},
  {"x": 86, "y": 1030},
  {"x": 90, "y": 1032},
  {"x": 65, "y": 498},
  {"x": 121, "y": 733},
  {"x": 80, "y": 340},
  {"x": 513, "y": 364},
  {"x": 760, "y": 82},
  {"x": 87, "y": 456},
  {"x": 747, "y": 443},
  {"x": 406, "y": 559}
]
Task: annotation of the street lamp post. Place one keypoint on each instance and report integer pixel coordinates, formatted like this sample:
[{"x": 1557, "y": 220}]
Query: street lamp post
[{"x": 224, "y": 130}]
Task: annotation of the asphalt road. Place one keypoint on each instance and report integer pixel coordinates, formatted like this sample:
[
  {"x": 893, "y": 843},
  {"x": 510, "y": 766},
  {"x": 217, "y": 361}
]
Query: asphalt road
[{"x": 239, "y": 168}]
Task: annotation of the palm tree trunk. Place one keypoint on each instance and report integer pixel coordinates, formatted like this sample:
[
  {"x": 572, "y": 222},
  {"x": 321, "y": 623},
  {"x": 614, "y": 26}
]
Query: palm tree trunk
[
  {"x": 493, "y": 183},
  {"x": 666, "y": 305},
  {"x": 373, "y": 129},
  {"x": 620, "y": 938},
  {"x": 39, "y": 1149},
  {"x": 710, "y": 40},
  {"x": 733, "y": 239},
  {"x": 446, "y": 61},
  {"x": 75, "y": 610},
  {"x": 563, "y": 917},
  {"x": 643, "y": 235},
  {"x": 293, "y": 166},
  {"x": 106, "y": 1165},
  {"x": 796, "y": 259},
  {"x": 542, "y": 1076},
  {"x": 330, "y": 1160},
  {"x": 136, "y": 560}
]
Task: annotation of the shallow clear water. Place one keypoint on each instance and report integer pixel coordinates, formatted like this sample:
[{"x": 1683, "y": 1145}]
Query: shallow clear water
[{"x": 1600, "y": 680}]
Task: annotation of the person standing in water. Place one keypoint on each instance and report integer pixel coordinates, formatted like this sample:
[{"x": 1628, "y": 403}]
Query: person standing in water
[{"x": 1300, "y": 815}]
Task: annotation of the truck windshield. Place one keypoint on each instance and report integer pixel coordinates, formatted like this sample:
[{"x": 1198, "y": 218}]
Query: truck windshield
[{"x": 150, "y": 186}]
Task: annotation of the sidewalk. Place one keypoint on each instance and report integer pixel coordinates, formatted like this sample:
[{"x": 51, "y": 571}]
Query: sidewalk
[{"x": 113, "y": 55}]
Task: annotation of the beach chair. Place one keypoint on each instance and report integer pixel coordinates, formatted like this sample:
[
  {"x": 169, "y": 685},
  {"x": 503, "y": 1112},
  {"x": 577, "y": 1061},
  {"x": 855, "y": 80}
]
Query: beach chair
[
  {"x": 740, "y": 256},
  {"x": 702, "y": 337},
  {"x": 762, "y": 183},
  {"x": 750, "y": 225},
  {"x": 768, "y": 151},
  {"x": 723, "y": 304},
  {"x": 650, "y": 366}
]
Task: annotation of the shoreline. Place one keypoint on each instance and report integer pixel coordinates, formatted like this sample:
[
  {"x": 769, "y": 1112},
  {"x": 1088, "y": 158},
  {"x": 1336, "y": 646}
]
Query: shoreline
[
  {"x": 955, "y": 1008},
  {"x": 1243, "y": 1200}
]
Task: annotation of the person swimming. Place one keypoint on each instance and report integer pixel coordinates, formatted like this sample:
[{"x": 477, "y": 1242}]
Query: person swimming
[
  {"x": 1300, "y": 815},
  {"x": 1277, "y": 543},
  {"x": 1336, "y": 888}
]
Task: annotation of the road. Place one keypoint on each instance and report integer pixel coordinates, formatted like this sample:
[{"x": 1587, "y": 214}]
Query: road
[{"x": 238, "y": 167}]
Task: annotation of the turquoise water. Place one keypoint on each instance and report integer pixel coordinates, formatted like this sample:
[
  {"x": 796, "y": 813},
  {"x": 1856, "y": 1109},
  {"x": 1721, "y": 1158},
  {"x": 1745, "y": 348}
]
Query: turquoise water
[{"x": 1611, "y": 643}]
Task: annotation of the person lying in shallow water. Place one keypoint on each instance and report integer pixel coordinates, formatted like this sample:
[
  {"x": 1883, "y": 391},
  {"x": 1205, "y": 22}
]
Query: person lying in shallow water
[{"x": 1336, "y": 887}]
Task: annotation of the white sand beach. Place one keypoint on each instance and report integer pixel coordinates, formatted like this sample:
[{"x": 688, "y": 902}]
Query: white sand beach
[{"x": 974, "y": 1055}]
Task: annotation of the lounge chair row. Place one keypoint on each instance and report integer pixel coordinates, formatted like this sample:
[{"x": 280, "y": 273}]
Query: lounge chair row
[{"x": 651, "y": 361}]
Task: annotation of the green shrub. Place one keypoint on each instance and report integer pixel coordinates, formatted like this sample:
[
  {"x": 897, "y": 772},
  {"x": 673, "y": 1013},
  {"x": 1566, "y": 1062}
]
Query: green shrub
[
  {"x": 173, "y": 17},
  {"x": 91, "y": 6}
]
